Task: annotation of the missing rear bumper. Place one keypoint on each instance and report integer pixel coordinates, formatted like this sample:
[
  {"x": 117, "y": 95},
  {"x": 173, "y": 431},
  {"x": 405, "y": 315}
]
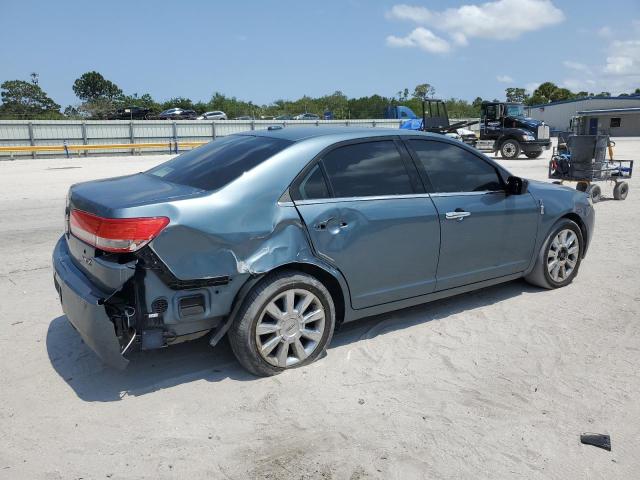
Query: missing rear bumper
[{"x": 84, "y": 307}]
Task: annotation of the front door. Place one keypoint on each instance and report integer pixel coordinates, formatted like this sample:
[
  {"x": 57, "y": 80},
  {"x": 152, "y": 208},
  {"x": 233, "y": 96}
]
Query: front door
[
  {"x": 366, "y": 216},
  {"x": 593, "y": 126},
  {"x": 490, "y": 125},
  {"x": 485, "y": 233}
]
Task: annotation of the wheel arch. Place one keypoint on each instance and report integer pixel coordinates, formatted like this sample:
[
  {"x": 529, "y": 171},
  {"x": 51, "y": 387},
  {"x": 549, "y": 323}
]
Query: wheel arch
[
  {"x": 332, "y": 280},
  {"x": 327, "y": 278},
  {"x": 574, "y": 217}
]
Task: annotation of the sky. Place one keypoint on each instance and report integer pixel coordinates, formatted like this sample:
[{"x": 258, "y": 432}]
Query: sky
[{"x": 267, "y": 50}]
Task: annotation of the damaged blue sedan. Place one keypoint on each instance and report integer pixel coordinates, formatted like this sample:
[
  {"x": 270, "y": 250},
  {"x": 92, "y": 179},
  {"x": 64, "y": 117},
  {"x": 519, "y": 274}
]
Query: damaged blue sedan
[{"x": 276, "y": 237}]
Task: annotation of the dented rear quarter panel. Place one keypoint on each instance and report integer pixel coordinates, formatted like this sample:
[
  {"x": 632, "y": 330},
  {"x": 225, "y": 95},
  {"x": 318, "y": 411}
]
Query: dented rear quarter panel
[{"x": 239, "y": 231}]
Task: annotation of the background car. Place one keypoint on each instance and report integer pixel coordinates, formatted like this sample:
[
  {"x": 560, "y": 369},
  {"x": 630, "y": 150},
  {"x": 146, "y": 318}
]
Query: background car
[
  {"x": 277, "y": 236},
  {"x": 285, "y": 116},
  {"x": 244, "y": 117},
  {"x": 131, "y": 113},
  {"x": 178, "y": 114},
  {"x": 306, "y": 116},
  {"x": 214, "y": 115}
]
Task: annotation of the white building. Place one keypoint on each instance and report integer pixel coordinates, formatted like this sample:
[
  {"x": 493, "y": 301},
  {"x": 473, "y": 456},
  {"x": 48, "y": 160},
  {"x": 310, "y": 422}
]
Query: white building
[{"x": 615, "y": 116}]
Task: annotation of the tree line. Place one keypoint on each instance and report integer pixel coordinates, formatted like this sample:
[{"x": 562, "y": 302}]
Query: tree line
[{"x": 100, "y": 98}]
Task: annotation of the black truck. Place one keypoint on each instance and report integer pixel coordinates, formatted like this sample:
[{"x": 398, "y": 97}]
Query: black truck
[{"x": 504, "y": 128}]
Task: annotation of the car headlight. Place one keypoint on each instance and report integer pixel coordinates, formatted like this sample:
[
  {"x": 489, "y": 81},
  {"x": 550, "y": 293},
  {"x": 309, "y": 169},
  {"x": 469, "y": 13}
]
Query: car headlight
[{"x": 528, "y": 138}]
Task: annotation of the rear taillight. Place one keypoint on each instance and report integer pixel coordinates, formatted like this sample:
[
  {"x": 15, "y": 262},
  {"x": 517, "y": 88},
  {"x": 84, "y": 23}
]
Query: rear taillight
[{"x": 115, "y": 234}]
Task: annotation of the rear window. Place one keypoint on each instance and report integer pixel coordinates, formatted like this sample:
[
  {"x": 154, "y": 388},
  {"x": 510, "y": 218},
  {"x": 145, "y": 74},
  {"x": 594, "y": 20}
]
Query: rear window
[{"x": 214, "y": 165}]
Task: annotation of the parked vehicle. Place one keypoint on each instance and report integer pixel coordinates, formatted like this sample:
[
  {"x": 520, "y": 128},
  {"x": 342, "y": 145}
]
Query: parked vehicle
[
  {"x": 131, "y": 113},
  {"x": 306, "y": 116},
  {"x": 244, "y": 117},
  {"x": 275, "y": 237},
  {"x": 284, "y": 117},
  {"x": 178, "y": 114},
  {"x": 215, "y": 115},
  {"x": 435, "y": 119},
  {"x": 505, "y": 129}
]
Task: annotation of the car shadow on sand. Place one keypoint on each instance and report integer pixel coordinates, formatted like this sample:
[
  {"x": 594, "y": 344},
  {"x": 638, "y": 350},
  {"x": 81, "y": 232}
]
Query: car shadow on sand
[{"x": 155, "y": 370}]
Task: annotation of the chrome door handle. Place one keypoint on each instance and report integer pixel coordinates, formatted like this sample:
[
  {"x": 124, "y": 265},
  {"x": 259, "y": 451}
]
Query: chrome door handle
[
  {"x": 323, "y": 225},
  {"x": 457, "y": 215}
]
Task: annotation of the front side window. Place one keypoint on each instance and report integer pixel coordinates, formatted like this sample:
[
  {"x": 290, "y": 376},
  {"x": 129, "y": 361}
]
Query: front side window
[
  {"x": 515, "y": 111},
  {"x": 219, "y": 162},
  {"x": 367, "y": 169},
  {"x": 491, "y": 112},
  {"x": 451, "y": 168}
]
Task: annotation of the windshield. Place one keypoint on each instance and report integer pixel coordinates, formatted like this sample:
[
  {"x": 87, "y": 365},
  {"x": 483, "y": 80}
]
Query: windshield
[
  {"x": 219, "y": 162},
  {"x": 515, "y": 111}
]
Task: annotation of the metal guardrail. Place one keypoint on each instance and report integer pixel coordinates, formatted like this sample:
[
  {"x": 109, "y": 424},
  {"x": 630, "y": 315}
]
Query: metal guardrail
[
  {"x": 173, "y": 147},
  {"x": 24, "y": 138}
]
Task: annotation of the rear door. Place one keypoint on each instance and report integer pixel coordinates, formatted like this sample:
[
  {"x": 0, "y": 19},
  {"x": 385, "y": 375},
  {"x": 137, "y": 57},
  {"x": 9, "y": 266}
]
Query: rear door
[
  {"x": 368, "y": 215},
  {"x": 485, "y": 233}
]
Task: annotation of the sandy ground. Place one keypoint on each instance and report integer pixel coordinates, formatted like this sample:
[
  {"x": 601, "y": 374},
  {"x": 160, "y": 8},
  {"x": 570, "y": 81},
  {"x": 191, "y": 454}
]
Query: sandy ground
[{"x": 494, "y": 384}]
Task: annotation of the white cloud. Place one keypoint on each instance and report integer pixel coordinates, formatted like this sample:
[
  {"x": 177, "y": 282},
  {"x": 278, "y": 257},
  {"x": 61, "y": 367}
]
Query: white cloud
[
  {"x": 504, "y": 79},
  {"x": 605, "y": 32},
  {"x": 499, "y": 19},
  {"x": 421, "y": 38},
  {"x": 581, "y": 67},
  {"x": 624, "y": 58},
  {"x": 530, "y": 87}
]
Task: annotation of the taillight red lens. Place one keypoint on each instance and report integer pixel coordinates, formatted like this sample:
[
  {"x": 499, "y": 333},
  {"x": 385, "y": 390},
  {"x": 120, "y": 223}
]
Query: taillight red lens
[{"x": 115, "y": 234}]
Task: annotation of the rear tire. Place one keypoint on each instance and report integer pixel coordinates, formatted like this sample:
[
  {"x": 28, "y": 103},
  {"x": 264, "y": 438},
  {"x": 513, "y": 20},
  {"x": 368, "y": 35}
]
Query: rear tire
[
  {"x": 582, "y": 186},
  {"x": 595, "y": 192},
  {"x": 533, "y": 154},
  {"x": 510, "y": 149},
  {"x": 621, "y": 190},
  {"x": 285, "y": 322},
  {"x": 559, "y": 247}
]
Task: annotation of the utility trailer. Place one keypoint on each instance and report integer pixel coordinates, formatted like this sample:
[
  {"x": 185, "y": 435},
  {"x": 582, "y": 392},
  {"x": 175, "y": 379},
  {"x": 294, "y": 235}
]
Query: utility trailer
[
  {"x": 582, "y": 159},
  {"x": 435, "y": 119}
]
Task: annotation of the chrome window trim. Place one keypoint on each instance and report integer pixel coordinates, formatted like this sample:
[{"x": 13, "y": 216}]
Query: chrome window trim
[
  {"x": 467, "y": 194},
  {"x": 390, "y": 197},
  {"x": 361, "y": 199}
]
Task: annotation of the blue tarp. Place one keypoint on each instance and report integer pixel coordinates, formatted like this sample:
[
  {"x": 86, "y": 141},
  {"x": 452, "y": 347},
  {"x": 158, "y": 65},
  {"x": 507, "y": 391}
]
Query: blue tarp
[{"x": 413, "y": 124}]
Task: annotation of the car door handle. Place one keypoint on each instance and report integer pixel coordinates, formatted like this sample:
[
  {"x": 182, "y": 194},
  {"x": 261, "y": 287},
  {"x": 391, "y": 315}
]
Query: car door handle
[
  {"x": 323, "y": 225},
  {"x": 457, "y": 215}
]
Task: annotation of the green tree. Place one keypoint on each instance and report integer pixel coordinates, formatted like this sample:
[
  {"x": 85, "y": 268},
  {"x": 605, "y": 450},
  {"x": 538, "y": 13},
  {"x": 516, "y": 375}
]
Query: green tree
[
  {"x": 604, "y": 94},
  {"x": 561, "y": 94},
  {"x": 423, "y": 91},
  {"x": 93, "y": 86},
  {"x": 22, "y": 99},
  {"x": 518, "y": 95}
]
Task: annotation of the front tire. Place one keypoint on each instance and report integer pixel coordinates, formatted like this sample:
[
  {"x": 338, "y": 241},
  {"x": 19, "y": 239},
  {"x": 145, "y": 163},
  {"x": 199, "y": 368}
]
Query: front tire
[
  {"x": 559, "y": 259},
  {"x": 510, "y": 149},
  {"x": 285, "y": 322}
]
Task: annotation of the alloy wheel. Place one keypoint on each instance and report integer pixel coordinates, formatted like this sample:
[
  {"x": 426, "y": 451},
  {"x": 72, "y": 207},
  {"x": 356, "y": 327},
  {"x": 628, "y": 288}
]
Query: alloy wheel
[
  {"x": 563, "y": 254},
  {"x": 290, "y": 327}
]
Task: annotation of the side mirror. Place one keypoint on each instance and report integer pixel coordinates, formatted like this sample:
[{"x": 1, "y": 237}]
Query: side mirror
[{"x": 516, "y": 186}]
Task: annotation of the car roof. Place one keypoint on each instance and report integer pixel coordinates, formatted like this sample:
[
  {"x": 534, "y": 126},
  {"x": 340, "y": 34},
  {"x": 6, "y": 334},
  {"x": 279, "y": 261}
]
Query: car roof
[{"x": 296, "y": 134}]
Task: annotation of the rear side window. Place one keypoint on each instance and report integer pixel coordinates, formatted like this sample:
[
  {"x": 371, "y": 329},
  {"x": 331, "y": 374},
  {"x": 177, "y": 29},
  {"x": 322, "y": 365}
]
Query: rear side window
[
  {"x": 214, "y": 165},
  {"x": 367, "y": 169},
  {"x": 313, "y": 185},
  {"x": 453, "y": 169}
]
